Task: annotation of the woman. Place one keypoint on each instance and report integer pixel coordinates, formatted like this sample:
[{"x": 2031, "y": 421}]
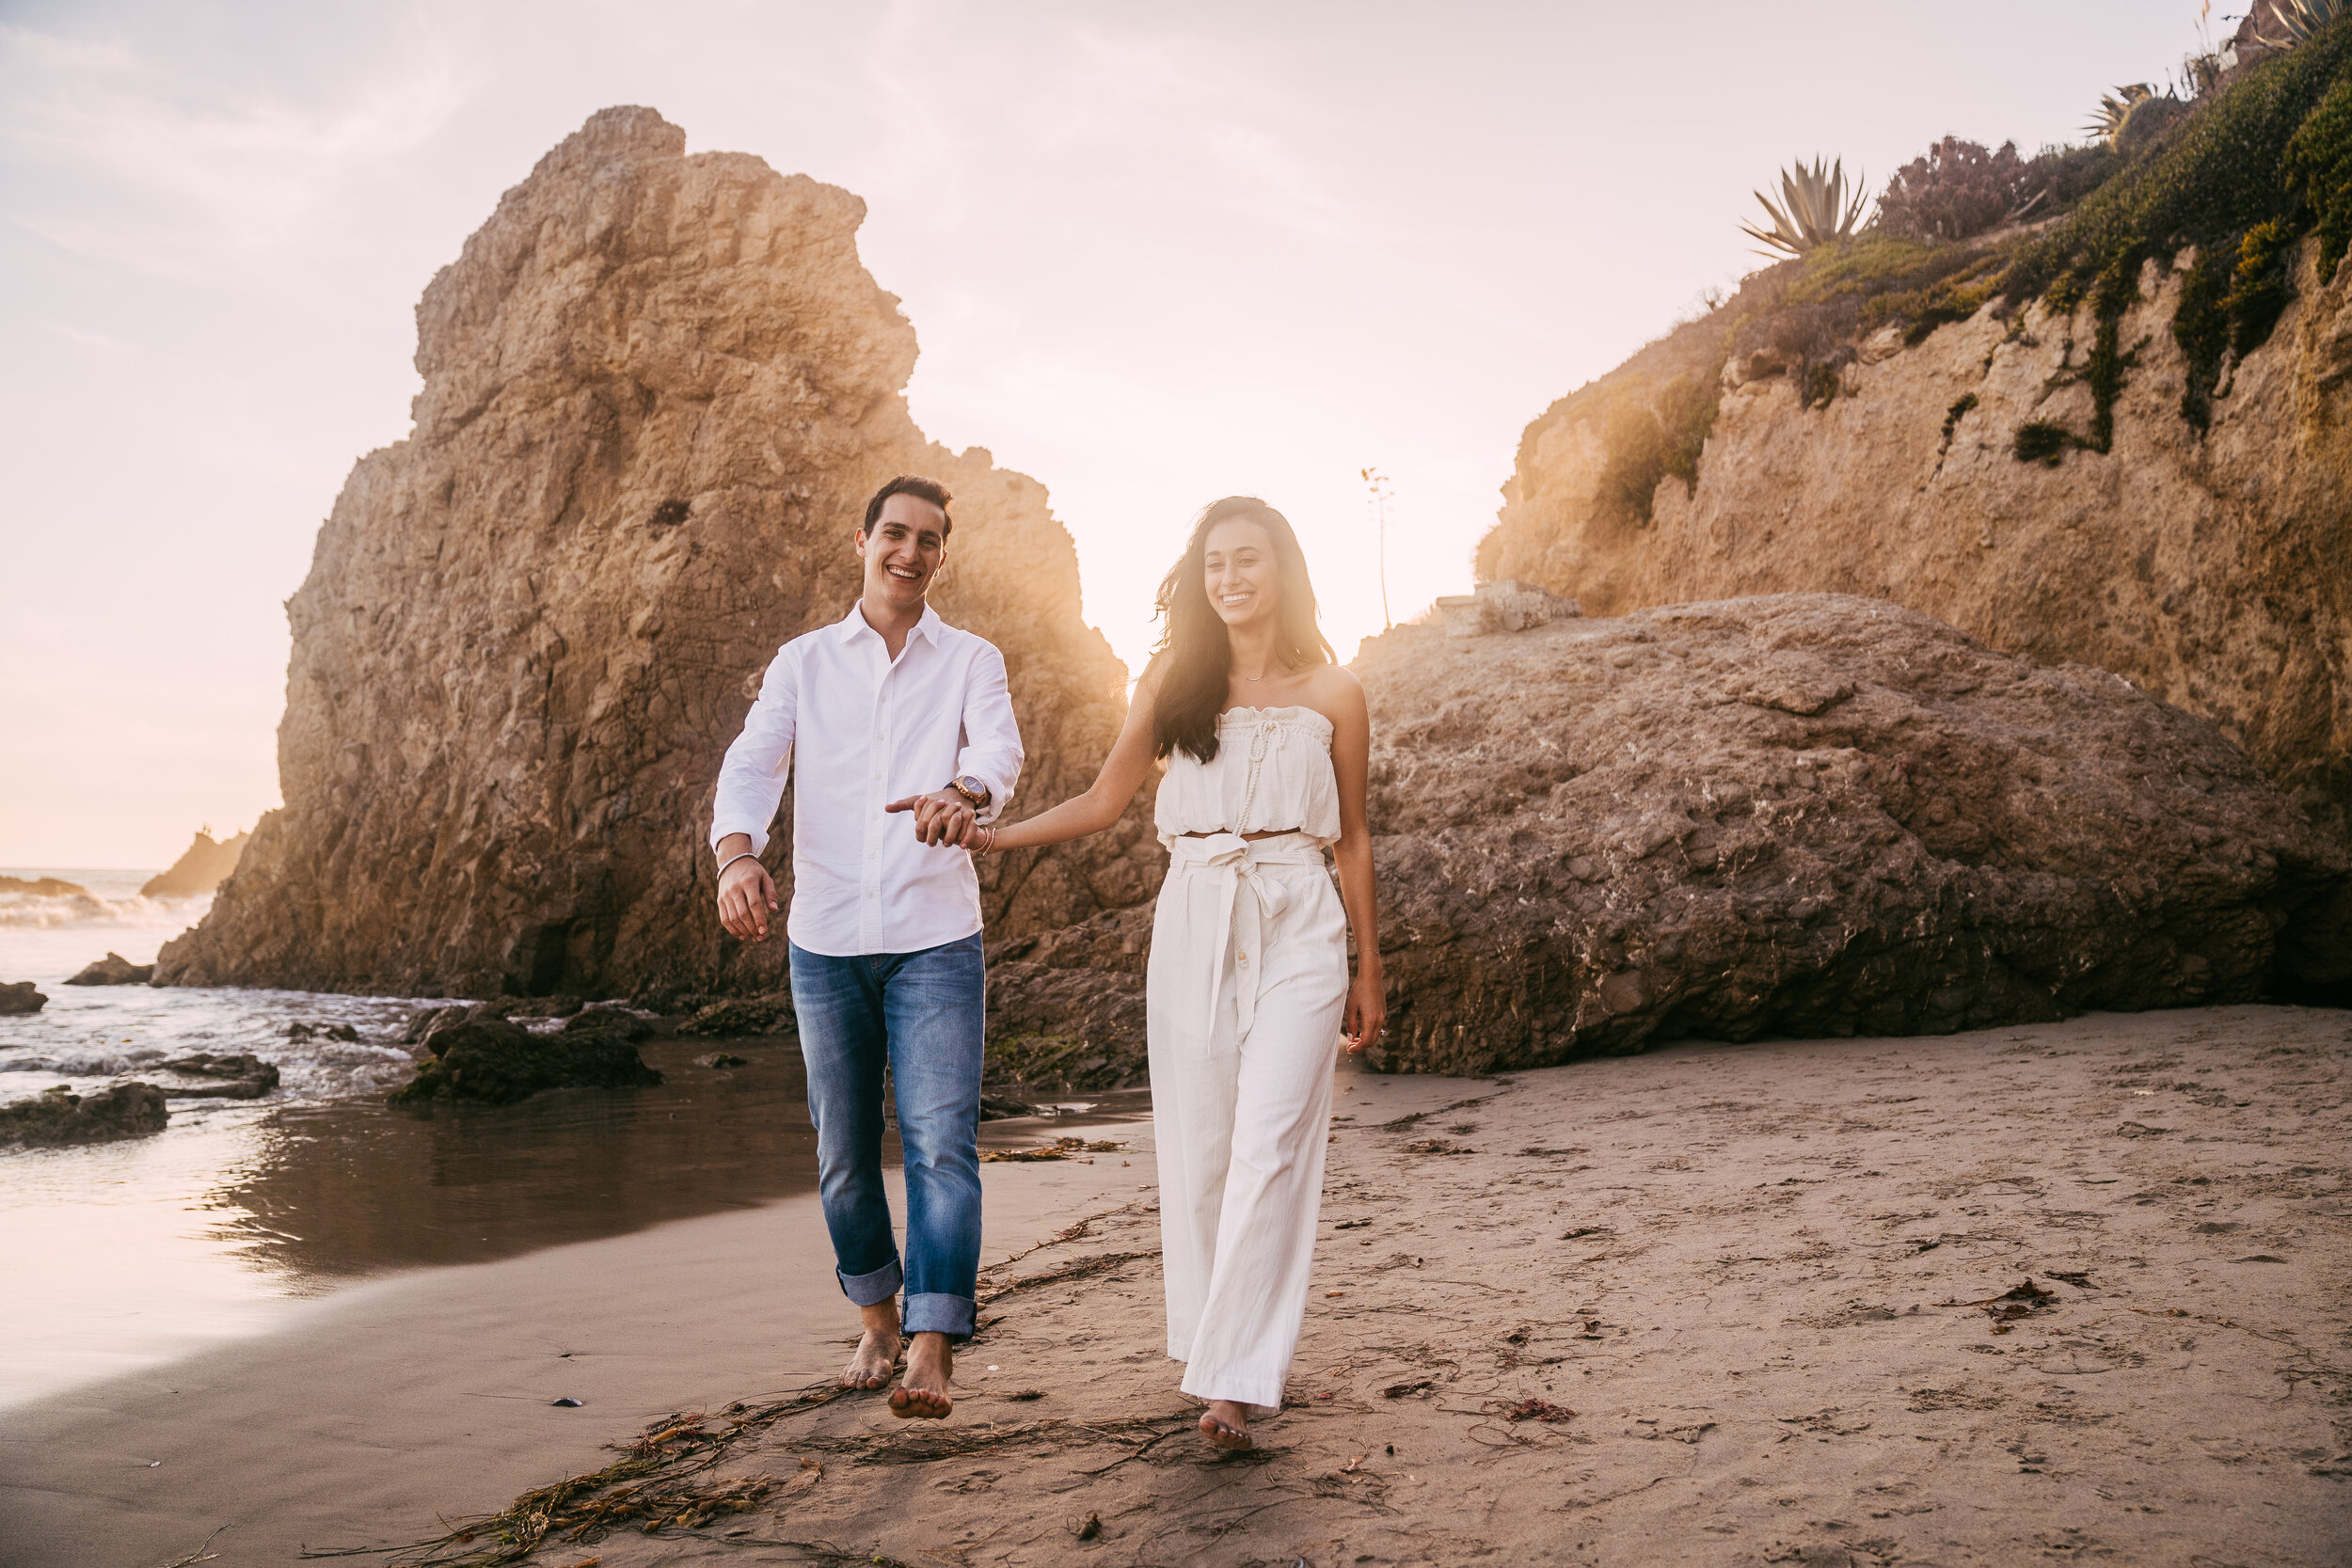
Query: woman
[{"x": 1266, "y": 740}]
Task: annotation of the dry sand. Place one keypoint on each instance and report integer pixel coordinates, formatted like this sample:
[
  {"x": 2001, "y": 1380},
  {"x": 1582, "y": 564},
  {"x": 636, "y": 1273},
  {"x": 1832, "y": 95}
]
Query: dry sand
[{"x": 1748, "y": 1270}]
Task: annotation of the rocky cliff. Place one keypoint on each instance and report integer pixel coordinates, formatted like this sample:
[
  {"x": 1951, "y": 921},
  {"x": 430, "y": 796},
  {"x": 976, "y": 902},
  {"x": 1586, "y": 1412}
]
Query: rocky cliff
[
  {"x": 658, "y": 390},
  {"x": 202, "y": 866},
  {"x": 1807, "y": 815},
  {"x": 2215, "y": 571},
  {"x": 2108, "y": 466}
]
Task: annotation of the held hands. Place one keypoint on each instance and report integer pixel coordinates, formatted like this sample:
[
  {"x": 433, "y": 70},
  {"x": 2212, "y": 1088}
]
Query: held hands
[
  {"x": 1367, "y": 1009},
  {"x": 746, "y": 894},
  {"x": 942, "y": 818}
]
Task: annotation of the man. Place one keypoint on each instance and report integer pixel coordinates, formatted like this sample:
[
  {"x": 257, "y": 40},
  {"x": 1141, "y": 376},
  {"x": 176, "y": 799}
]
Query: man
[{"x": 889, "y": 710}]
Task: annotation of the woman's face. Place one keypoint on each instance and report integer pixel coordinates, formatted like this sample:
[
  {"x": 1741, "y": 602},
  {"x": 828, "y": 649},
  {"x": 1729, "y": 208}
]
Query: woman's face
[{"x": 1239, "y": 570}]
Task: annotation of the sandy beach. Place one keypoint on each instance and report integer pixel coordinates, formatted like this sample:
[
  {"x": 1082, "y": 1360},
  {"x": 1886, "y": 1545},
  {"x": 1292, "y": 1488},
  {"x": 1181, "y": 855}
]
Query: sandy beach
[{"x": 1712, "y": 1304}]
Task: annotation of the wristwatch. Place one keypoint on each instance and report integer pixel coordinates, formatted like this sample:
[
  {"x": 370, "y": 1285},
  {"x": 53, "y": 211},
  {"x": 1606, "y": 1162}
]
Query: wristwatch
[{"x": 973, "y": 790}]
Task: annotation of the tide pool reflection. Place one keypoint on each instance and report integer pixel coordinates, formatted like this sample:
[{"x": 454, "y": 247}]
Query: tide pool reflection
[
  {"x": 359, "y": 1187},
  {"x": 119, "y": 1256}
]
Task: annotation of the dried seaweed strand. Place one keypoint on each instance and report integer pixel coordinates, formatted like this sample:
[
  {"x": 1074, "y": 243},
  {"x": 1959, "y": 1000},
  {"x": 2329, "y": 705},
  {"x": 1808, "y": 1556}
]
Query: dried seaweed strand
[
  {"x": 645, "y": 1486},
  {"x": 1079, "y": 1270}
]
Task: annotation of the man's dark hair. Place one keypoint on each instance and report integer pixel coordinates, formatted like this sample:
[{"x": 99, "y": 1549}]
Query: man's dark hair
[{"x": 921, "y": 489}]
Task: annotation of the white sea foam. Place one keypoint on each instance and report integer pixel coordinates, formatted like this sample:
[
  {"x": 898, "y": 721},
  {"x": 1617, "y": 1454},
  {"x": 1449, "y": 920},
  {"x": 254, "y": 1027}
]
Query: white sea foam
[{"x": 89, "y": 1032}]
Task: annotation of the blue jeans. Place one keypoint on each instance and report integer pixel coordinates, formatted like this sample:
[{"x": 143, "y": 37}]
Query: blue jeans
[{"x": 922, "y": 1015}]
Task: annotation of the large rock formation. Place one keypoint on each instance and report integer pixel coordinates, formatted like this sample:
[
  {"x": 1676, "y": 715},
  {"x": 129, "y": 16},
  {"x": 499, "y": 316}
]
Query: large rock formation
[
  {"x": 1808, "y": 815},
  {"x": 2214, "y": 571},
  {"x": 658, "y": 390},
  {"x": 202, "y": 866},
  {"x": 113, "y": 970}
]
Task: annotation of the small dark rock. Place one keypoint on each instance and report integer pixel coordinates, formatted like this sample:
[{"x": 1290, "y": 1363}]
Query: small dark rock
[
  {"x": 18, "y": 996},
  {"x": 568, "y": 1403},
  {"x": 248, "y": 1076},
  {"x": 62, "y": 1116},
  {"x": 114, "y": 970},
  {"x": 499, "y": 1063},
  {"x": 723, "y": 1059},
  {"x": 604, "y": 1015},
  {"x": 771, "y": 1014},
  {"x": 998, "y": 1107},
  {"x": 322, "y": 1030}
]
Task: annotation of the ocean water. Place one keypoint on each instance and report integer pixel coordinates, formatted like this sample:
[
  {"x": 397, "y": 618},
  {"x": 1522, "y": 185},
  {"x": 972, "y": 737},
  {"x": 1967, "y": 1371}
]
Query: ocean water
[
  {"x": 117, "y": 1257},
  {"x": 90, "y": 1034},
  {"x": 121, "y": 1256}
]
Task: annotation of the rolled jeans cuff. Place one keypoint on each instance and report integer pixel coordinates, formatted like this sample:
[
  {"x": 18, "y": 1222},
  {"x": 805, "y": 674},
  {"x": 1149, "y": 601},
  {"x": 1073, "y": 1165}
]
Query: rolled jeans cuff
[
  {"x": 871, "y": 1289},
  {"x": 932, "y": 1313}
]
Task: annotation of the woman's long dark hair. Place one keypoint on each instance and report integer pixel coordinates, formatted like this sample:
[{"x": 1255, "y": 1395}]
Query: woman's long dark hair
[{"x": 1196, "y": 657}]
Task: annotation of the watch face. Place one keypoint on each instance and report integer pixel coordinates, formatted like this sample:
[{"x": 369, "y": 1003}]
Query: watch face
[{"x": 971, "y": 786}]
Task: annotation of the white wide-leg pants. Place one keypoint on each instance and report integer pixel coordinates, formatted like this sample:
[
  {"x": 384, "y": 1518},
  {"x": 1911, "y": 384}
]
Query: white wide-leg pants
[{"x": 1245, "y": 996}]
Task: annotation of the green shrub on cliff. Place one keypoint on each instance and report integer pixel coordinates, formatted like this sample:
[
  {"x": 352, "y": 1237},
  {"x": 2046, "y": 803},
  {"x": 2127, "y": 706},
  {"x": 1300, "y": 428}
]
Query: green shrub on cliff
[
  {"x": 2245, "y": 176},
  {"x": 1644, "y": 441},
  {"x": 1957, "y": 190},
  {"x": 2319, "y": 163}
]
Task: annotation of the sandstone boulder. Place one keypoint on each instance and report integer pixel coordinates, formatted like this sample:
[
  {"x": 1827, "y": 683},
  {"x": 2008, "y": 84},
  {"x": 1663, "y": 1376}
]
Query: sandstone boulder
[
  {"x": 62, "y": 1116},
  {"x": 1808, "y": 815},
  {"x": 499, "y": 1064},
  {"x": 1507, "y": 605},
  {"x": 19, "y": 996},
  {"x": 658, "y": 390},
  {"x": 114, "y": 970},
  {"x": 1066, "y": 1009}
]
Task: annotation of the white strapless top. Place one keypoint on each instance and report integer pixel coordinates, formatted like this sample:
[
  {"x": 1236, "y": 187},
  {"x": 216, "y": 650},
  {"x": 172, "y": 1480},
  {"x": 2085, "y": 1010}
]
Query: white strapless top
[{"x": 1272, "y": 775}]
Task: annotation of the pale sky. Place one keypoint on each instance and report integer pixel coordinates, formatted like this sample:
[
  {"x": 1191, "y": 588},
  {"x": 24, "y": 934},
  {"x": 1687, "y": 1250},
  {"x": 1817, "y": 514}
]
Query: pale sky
[{"x": 1154, "y": 255}]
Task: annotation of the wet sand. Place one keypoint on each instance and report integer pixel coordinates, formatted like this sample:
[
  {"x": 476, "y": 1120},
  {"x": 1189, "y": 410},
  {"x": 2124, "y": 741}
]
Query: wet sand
[{"x": 1768, "y": 1280}]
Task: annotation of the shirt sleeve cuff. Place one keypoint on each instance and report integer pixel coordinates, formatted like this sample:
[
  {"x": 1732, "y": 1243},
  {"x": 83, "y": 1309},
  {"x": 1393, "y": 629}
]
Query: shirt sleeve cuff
[{"x": 719, "y": 831}]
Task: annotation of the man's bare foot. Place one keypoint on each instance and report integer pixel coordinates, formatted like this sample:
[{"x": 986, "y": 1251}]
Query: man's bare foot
[
  {"x": 1226, "y": 1424},
  {"x": 923, "y": 1393},
  {"x": 877, "y": 1348}
]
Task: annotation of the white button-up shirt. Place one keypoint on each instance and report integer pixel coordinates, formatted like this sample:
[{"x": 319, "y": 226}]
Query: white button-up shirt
[{"x": 870, "y": 732}]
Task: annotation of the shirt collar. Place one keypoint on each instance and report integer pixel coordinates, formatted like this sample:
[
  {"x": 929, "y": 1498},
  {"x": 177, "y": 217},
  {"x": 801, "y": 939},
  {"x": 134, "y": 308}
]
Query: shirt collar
[{"x": 927, "y": 627}]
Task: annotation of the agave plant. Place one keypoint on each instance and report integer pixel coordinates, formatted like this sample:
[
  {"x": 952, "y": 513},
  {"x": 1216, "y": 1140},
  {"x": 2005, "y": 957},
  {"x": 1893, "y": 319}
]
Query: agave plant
[
  {"x": 2115, "y": 111},
  {"x": 2301, "y": 19},
  {"x": 1817, "y": 211}
]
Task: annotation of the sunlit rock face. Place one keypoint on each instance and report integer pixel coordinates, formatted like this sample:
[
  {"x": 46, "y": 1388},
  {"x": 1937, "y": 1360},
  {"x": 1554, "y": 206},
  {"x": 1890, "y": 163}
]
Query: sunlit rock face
[
  {"x": 1809, "y": 814},
  {"x": 2211, "y": 569},
  {"x": 658, "y": 390}
]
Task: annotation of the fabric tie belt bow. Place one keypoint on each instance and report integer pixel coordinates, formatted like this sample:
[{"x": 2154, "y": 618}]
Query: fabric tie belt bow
[{"x": 1238, "y": 863}]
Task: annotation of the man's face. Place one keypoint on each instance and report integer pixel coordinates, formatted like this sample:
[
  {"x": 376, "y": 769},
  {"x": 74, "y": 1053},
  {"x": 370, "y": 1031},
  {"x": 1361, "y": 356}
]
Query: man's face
[{"x": 903, "y": 551}]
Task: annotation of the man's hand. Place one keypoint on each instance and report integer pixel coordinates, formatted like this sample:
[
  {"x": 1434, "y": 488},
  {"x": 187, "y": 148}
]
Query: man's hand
[
  {"x": 943, "y": 816},
  {"x": 746, "y": 894}
]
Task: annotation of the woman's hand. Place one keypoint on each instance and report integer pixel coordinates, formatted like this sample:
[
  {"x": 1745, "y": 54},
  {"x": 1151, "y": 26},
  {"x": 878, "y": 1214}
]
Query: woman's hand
[
  {"x": 942, "y": 818},
  {"x": 746, "y": 894},
  {"x": 1367, "y": 1009}
]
